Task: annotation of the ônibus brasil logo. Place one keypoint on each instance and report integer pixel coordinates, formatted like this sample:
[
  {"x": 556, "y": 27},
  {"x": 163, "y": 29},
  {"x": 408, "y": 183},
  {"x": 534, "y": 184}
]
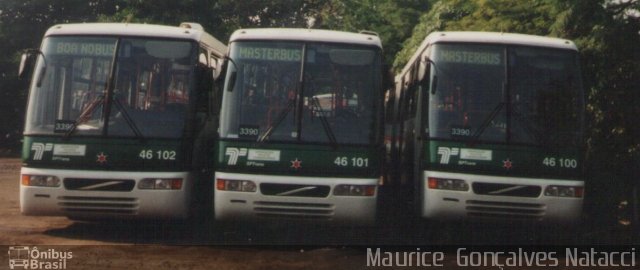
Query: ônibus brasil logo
[{"x": 23, "y": 257}]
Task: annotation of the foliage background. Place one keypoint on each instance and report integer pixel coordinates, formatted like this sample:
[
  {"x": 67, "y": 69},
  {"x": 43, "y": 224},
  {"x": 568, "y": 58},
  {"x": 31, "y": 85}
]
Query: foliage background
[{"x": 607, "y": 33}]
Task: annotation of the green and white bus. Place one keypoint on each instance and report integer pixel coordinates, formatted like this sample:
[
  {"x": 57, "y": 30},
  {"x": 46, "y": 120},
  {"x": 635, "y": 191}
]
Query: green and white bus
[
  {"x": 301, "y": 127},
  {"x": 119, "y": 120},
  {"x": 491, "y": 126}
]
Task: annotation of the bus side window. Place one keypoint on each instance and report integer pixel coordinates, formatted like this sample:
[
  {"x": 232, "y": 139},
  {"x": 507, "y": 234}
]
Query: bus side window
[
  {"x": 412, "y": 94},
  {"x": 389, "y": 102},
  {"x": 203, "y": 59},
  {"x": 402, "y": 98},
  {"x": 408, "y": 101}
]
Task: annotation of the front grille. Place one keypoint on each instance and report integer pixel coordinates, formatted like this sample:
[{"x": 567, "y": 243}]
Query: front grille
[
  {"x": 510, "y": 210},
  {"x": 106, "y": 205},
  {"x": 316, "y": 191},
  {"x": 83, "y": 184},
  {"x": 494, "y": 189},
  {"x": 293, "y": 210}
]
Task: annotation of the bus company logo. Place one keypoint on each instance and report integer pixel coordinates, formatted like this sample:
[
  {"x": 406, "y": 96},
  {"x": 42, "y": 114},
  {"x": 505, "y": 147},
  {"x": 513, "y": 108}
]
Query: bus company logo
[
  {"x": 39, "y": 149},
  {"x": 234, "y": 153},
  {"x": 446, "y": 153},
  {"x": 23, "y": 257}
]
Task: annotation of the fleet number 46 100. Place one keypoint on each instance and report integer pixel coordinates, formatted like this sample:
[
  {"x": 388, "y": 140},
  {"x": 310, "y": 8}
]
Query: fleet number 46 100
[{"x": 570, "y": 163}]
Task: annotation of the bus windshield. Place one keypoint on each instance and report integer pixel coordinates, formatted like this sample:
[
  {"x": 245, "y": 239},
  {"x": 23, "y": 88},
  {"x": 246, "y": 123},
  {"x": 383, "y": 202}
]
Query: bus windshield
[
  {"x": 506, "y": 94},
  {"x": 74, "y": 92},
  {"x": 328, "y": 98}
]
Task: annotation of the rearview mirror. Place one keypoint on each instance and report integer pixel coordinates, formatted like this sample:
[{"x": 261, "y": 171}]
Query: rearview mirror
[
  {"x": 234, "y": 74},
  {"x": 26, "y": 64}
]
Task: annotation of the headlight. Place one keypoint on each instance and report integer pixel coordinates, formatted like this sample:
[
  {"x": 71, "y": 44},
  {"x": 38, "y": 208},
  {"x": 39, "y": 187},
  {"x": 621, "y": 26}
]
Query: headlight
[
  {"x": 236, "y": 185},
  {"x": 447, "y": 184},
  {"x": 160, "y": 183},
  {"x": 564, "y": 191},
  {"x": 354, "y": 190},
  {"x": 40, "y": 180}
]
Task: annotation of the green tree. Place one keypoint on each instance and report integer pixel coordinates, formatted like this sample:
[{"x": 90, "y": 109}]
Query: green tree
[
  {"x": 608, "y": 34},
  {"x": 218, "y": 17},
  {"x": 528, "y": 17},
  {"x": 392, "y": 20}
]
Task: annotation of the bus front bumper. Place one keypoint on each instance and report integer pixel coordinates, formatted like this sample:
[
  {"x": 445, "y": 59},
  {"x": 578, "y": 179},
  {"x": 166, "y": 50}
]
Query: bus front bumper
[
  {"x": 109, "y": 198},
  {"x": 500, "y": 198},
  {"x": 293, "y": 206}
]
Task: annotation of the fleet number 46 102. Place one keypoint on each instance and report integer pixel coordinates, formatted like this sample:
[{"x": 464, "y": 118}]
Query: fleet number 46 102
[{"x": 158, "y": 154}]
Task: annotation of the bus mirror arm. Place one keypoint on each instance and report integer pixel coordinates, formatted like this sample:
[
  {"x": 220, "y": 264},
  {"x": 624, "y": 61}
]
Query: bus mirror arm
[
  {"x": 434, "y": 84},
  {"x": 232, "y": 81},
  {"x": 434, "y": 81},
  {"x": 234, "y": 74},
  {"x": 41, "y": 76}
]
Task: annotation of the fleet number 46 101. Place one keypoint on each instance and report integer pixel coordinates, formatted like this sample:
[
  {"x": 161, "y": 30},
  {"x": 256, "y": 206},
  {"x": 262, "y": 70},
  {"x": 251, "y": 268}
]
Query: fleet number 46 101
[{"x": 353, "y": 162}]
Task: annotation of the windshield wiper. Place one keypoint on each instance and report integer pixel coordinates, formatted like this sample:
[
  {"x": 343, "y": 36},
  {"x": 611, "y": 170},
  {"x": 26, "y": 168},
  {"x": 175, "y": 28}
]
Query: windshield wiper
[
  {"x": 485, "y": 124},
  {"x": 537, "y": 134},
  {"x": 283, "y": 114},
  {"x": 88, "y": 111},
  {"x": 85, "y": 114},
  {"x": 127, "y": 118},
  {"x": 325, "y": 124}
]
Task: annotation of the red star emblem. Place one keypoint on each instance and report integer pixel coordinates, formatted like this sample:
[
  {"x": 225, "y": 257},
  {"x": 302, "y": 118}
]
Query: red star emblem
[
  {"x": 507, "y": 164},
  {"x": 296, "y": 164},
  {"x": 102, "y": 158}
]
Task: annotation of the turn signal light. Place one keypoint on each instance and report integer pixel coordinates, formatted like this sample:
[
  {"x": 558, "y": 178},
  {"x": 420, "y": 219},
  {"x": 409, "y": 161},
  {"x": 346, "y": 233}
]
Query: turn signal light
[
  {"x": 447, "y": 184},
  {"x": 354, "y": 190},
  {"x": 40, "y": 180},
  {"x": 564, "y": 191},
  {"x": 236, "y": 185},
  {"x": 160, "y": 183}
]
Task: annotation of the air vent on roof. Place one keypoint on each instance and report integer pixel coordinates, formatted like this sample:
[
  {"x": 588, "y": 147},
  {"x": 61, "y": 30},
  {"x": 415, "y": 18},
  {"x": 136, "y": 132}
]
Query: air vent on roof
[
  {"x": 191, "y": 25},
  {"x": 367, "y": 32}
]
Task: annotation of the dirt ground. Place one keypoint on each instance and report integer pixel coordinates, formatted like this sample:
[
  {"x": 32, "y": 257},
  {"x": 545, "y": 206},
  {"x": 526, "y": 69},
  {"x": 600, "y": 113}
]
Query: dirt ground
[
  {"x": 146, "y": 246},
  {"x": 202, "y": 245}
]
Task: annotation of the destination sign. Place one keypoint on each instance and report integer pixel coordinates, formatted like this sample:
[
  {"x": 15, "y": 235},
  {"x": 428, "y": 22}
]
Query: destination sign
[
  {"x": 270, "y": 54},
  {"x": 470, "y": 57},
  {"x": 82, "y": 48}
]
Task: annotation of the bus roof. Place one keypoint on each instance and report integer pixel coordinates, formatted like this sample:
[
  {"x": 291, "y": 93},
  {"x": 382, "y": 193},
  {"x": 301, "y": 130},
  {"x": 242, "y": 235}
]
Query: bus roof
[
  {"x": 192, "y": 31},
  {"x": 489, "y": 38},
  {"x": 500, "y": 38},
  {"x": 301, "y": 34}
]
